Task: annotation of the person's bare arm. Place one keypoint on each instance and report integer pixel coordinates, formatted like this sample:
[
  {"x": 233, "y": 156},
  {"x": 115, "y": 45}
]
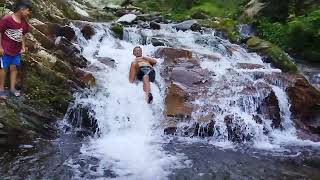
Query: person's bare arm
[
  {"x": 132, "y": 72},
  {"x": 1, "y": 48},
  {"x": 23, "y": 50},
  {"x": 151, "y": 60}
]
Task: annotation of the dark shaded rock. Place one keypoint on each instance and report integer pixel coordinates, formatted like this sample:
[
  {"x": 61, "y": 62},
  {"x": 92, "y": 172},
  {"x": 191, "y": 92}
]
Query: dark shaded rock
[
  {"x": 305, "y": 105},
  {"x": 143, "y": 24},
  {"x": 87, "y": 31},
  {"x": 175, "y": 101},
  {"x": 82, "y": 118},
  {"x": 158, "y": 42},
  {"x": 170, "y": 130},
  {"x": 235, "y": 131},
  {"x": 269, "y": 109},
  {"x": 196, "y": 27},
  {"x": 154, "y": 25},
  {"x": 67, "y": 32},
  {"x": 199, "y": 15}
]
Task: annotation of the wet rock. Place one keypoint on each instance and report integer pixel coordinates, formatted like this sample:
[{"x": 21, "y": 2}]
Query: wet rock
[
  {"x": 196, "y": 27},
  {"x": 70, "y": 53},
  {"x": 45, "y": 41},
  {"x": 127, "y": 19},
  {"x": 87, "y": 31},
  {"x": 204, "y": 129},
  {"x": 155, "y": 26},
  {"x": 1, "y": 126},
  {"x": 269, "y": 109},
  {"x": 82, "y": 118},
  {"x": 107, "y": 61},
  {"x": 184, "y": 26},
  {"x": 186, "y": 77},
  {"x": 117, "y": 29},
  {"x": 175, "y": 101},
  {"x": 170, "y": 130},
  {"x": 305, "y": 105},
  {"x": 158, "y": 42},
  {"x": 249, "y": 66},
  {"x": 199, "y": 15},
  {"x": 171, "y": 54},
  {"x": 143, "y": 24},
  {"x": 235, "y": 131},
  {"x": 86, "y": 78},
  {"x": 67, "y": 32}
]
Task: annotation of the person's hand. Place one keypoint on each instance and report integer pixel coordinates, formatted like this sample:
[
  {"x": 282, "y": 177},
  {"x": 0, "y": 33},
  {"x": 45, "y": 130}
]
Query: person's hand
[
  {"x": 23, "y": 50},
  {"x": 1, "y": 51}
]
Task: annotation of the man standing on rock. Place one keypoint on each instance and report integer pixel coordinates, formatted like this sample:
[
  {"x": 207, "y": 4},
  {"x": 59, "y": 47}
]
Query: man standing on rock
[
  {"x": 146, "y": 73},
  {"x": 13, "y": 29}
]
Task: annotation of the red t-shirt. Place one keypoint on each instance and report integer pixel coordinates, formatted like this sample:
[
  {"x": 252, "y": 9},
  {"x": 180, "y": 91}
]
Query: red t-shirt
[{"x": 11, "y": 35}]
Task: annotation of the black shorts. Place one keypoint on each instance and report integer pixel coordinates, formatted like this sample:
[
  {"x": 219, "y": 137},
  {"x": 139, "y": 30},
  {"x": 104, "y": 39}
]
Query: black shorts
[{"x": 146, "y": 70}]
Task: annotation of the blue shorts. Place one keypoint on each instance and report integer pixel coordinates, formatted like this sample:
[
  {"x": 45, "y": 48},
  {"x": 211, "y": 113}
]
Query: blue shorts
[{"x": 7, "y": 60}]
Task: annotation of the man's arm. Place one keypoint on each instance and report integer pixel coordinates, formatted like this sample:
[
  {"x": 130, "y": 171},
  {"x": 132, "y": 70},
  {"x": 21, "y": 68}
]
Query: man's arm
[
  {"x": 132, "y": 72},
  {"x": 23, "y": 50},
  {"x": 151, "y": 60},
  {"x": 1, "y": 48}
]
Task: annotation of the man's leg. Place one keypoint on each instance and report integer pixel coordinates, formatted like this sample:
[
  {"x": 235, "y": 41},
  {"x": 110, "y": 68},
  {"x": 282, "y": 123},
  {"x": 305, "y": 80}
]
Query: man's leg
[
  {"x": 2, "y": 79},
  {"x": 13, "y": 77},
  {"x": 133, "y": 71},
  {"x": 146, "y": 83},
  {"x": 146, "y": 88}
]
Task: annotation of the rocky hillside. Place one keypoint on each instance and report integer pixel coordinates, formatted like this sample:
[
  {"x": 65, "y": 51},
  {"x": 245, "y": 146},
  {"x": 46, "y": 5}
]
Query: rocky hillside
[{"x": 51, "y": 72}]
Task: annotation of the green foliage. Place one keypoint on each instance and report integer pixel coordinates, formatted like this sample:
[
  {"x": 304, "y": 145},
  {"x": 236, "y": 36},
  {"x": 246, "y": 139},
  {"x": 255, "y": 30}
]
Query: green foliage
[{"x": 300, "y": 35}]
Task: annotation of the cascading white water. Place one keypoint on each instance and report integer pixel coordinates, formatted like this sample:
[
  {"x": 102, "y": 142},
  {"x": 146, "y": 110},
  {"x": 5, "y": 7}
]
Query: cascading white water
[
  {"x": 130, "y": 144},
  {"x": 130, "y": 141}
]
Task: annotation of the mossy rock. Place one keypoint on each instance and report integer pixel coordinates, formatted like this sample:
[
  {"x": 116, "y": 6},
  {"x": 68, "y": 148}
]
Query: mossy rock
[
  {"x": 117, "y": 29},
  {"x": 276, "y": 56}
]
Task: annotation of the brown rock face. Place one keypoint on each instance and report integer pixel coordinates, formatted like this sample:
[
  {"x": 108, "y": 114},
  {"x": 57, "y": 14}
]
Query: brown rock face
[
  {"x": 305, "y": 105},
  {"x": 85, "y": 77},
  {"x": 176, "y": 101},
  {"x": 171, "y": 54}
]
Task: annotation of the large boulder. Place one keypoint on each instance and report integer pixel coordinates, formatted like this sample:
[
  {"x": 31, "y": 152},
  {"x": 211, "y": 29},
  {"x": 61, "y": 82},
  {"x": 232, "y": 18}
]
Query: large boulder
[
  {"x": 127, "y": 19},
  {"x": 186, "y": 25},
  {"x": 305, "y": 104},
  {"x": 269, "y": 109},
  {"x": 175, "y": 101},
  {"x": 171, "y": 54},
  {"x": 274, "y": 54},
  {"x": 87, "y": 31}
]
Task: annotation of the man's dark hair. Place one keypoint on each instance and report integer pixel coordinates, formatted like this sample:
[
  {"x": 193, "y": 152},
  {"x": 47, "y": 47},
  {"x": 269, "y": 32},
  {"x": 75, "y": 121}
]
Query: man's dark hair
[
  {"x": 21, "y": 5},
  {"x": 137, "y": 47}
]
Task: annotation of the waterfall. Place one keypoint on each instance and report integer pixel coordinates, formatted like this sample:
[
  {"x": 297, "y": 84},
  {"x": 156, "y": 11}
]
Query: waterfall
[{"x": 130, "y": 138}]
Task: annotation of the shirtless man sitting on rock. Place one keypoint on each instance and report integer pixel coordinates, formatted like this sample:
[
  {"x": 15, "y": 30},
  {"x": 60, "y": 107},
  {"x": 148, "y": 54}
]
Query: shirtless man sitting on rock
[{"x": 142, "y": 69}]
